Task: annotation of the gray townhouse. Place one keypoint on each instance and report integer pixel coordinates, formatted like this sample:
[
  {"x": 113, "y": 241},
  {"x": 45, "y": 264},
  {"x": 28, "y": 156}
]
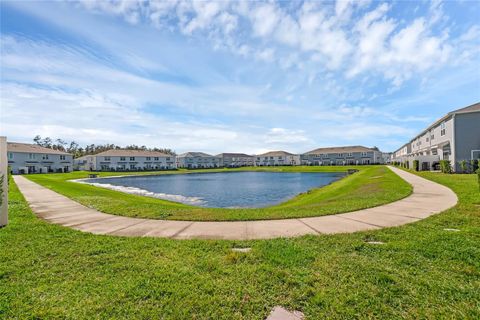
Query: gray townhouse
[
  {"x": 349, "y": 155},
  {"x": 197, "y": 160},
  {"x": 32, "y": 158},
  {"x": 235, "y": 160},
  {"x": 126, "y": 160},
  {"x": 454, "y": 137},
  {"x": 277, "y": 158}
]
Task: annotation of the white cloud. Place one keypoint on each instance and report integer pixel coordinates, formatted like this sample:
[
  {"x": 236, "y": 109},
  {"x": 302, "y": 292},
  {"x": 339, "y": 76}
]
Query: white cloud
[{"x": 347, "y": 37}]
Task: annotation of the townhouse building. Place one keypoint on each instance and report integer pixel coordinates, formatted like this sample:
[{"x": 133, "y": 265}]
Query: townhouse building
[
  {"x": 349, "y": 155},
  {"x": 24, "y": 158},
  {"x": 126, "y": 160},
  {"x": 277, "y": 158},
  {"x": 197, "y": 160},
  {"x": 234, "y": 160},
  {"x": 454, "y": 137}
]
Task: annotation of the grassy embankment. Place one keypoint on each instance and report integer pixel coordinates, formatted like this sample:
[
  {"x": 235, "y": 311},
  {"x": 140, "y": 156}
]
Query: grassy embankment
[
  {"x": 421, "y": 272},
  {"x": 371, "y": 186}
]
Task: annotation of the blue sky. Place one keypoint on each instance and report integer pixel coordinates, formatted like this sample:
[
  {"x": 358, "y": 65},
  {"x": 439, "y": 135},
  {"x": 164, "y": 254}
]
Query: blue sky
[{"x": 235, "y": 76}]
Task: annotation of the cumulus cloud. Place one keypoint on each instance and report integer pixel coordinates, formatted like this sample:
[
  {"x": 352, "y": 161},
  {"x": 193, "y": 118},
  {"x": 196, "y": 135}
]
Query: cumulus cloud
[{"x": 354, "y": 37}]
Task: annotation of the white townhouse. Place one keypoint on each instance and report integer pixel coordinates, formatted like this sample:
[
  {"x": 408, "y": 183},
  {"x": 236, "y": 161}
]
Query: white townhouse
[
  {"x": 32, "y": 158},
  {"x": 234, "y": 160},
  {"x": 197, "y": 160},
  {"x": 277, "y": 158},
  {"x": 340, "y": 156},
  {"x": 126, "y": 160},
  {"x": 454, "y": 137}
]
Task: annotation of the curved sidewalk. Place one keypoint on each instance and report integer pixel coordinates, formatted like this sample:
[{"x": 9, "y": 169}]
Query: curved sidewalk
[{"x": 428, "y": 198}]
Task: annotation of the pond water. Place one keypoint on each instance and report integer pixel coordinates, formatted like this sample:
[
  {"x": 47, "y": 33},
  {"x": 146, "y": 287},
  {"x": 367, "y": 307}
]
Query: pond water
[{"x": 221, "y": 189}]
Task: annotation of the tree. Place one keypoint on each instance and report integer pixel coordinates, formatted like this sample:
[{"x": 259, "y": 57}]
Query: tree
[{"x": 38, "y": 139}]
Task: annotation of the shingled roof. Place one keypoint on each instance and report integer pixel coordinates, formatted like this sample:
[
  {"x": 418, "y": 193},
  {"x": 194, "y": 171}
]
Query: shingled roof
[
  {"x": 32, "y": 148},
  {"x": 275, "y": 154},
  {"x": 346, "y": 149},
  {"x": 132, "y": 153}
]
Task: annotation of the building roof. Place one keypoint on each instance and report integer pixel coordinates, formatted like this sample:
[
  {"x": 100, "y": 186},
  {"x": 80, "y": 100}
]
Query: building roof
[
  {"x": 131, "y": 153},
  {"x": 194, "y": 154},
  {"x": 469, "y": 109},
  {"x": 233, "y": 155},
  {"x": 345, "y": 149},
  {"x": 31, "y": 148},
  {"x": 275, "y": 154}
]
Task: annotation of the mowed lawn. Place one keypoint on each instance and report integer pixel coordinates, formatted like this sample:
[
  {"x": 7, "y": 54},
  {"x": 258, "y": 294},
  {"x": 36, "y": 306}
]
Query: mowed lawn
[
  {"x": 371, "y": 186},
  {"x": 421, "y": 272}
]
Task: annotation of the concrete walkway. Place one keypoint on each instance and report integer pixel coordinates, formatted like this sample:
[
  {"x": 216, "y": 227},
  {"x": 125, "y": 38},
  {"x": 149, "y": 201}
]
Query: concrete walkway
[{"x": 427, "y": 199}]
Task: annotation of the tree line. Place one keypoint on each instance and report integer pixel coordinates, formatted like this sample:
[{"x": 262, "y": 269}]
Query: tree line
[{"x": 79, "y": 151}]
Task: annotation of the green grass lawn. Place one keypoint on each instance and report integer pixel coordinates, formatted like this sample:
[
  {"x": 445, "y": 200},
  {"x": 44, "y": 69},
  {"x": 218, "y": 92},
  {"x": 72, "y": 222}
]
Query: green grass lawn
[
  {"x": 371, "y": 186},
  {"x": 421, "y": 272}
]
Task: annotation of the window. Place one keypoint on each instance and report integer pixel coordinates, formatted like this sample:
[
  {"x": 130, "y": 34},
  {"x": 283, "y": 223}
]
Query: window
[
  {"x": 62, "y": 157},
  {"x": 432, "y": 137},
  {"x": 45, "y": 157},
  {"x": 427, "y": 139},
  {"x": 132, "y": 158},
  {"x": 364, "y": 154},
  {"x": 122, "y": 158},
  {"x": 442, "y": 129},
  {"x": 157, "y": 158},
  {"x": 10, "y": 155},
  {"x": 107, "y": 158},
  {"x": 132, "y": 167},
  {"x": 340, "y": 155},
  {"x": 31, "y": 156},
  {"x": 349, "y": 154},
  {"x": 148, "y": 158}
]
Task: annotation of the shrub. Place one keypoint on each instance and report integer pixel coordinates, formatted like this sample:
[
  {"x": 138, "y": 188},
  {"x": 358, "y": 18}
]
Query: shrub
[
  {"x": 416, "y": 165},
  {"x": 463, "y": 166},
  {"x": 474, "y": 165},
  {"x": 445, "y": 166},
  {"x": 478, "y": 174}
]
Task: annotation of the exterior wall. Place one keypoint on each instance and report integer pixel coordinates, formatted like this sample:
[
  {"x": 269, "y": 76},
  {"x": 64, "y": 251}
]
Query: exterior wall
[
  {"x": 452, "y": 139},
  {"x": 232, "y": 161},
  {"x": 198, "y": 162},
  {"x": 347, "y": 158},
  {"x": 286, "y": 160},
  {"x": 39, "y": 162},
  {"x": 467, "y": 138},
  {"x": 127, "y": 163}
]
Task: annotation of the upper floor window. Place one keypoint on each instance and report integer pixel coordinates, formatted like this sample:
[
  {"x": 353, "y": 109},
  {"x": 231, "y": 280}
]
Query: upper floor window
[
  {"x": 31, "y": 156},
  {"x": 168, "y": 158},
  {"x": 349, "y": 154},
  {"x": 132, "y": 158},
  {"x": 62, "y": 157},
  {"x": 432, "y": 137},
  {"x": 148, "y": 158},
  {"x": 271, "y": 158},
  {"x": 156, "y": 158},
  {"x": 340, "y": 154},
  {"x": 10, "y": 155},
  {"x": 442, "y": 129},
  {"x": 122, "y": 158},
  {"x": 45, "y": 157},
  {"x": 364, "y": 154},
  {"x": 107, "y": 158}
]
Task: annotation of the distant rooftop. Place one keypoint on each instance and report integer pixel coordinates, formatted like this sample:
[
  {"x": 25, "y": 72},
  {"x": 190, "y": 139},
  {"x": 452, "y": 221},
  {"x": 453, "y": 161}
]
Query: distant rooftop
[
  {"x": 194, "y": 154},
  {"x": 131, "y": 153},
  {"x": 276, "y": 154},
  {"x": 233, "y": 155},
  {"x": 31, "y": 148},
  {"x": 346, "y": 149}
]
